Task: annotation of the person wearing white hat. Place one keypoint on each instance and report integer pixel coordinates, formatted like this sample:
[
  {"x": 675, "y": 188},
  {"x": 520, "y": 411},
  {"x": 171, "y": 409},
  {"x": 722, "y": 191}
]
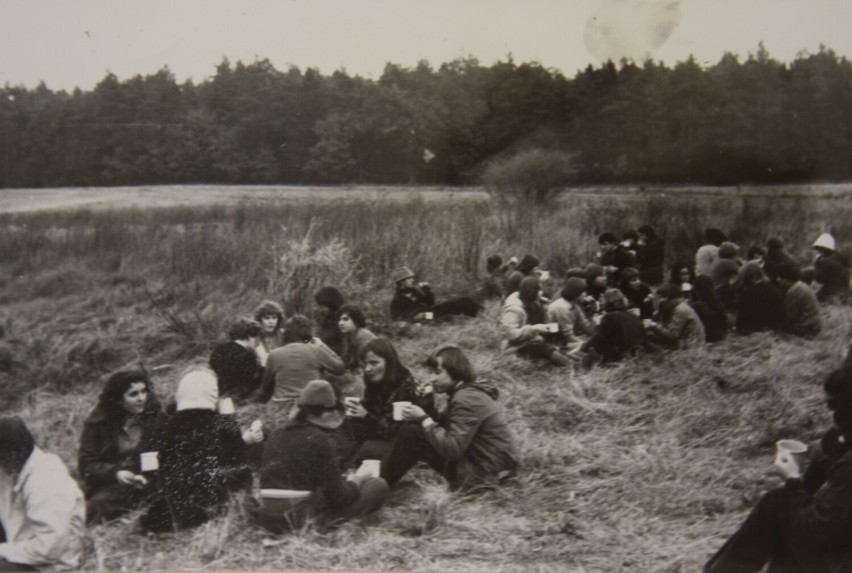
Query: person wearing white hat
[
  {"x": 202, "y": 457},
  {"x": 831, "y": 270}
]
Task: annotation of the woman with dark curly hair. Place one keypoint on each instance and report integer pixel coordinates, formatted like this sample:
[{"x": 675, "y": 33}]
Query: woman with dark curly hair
[
  {"x": 117, "y": 431},
  {"x": 270, "y": 315},
  {"x": 353, "y": 325}
]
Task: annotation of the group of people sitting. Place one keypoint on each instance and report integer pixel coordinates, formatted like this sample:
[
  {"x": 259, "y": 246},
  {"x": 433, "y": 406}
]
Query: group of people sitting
[
  {"x": 619, "y": 304},
  {"x": 341, "y": 419}
]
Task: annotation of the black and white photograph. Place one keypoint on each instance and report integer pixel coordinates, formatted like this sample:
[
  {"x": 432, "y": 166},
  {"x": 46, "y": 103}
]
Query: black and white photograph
[{"x": 447, "y": 286}]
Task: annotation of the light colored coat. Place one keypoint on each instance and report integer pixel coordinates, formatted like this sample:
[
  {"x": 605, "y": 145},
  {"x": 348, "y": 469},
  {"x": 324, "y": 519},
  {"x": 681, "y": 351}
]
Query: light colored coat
[{"x": 513, "y": 324}]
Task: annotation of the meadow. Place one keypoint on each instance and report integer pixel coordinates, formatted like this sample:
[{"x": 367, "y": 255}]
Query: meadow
[{"x": 643, "y": 466}]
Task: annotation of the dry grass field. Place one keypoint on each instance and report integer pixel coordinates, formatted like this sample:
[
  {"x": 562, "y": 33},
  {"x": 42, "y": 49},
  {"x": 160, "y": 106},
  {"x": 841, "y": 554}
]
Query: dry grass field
[{"x": 644, "y": 466}]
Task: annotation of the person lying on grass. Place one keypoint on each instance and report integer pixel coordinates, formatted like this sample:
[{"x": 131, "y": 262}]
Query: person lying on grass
[
  {"x": 42, "y": 511},
  {"x": 235, "y": 362},
  {"x": 470, "y": 443},
  {"x": 301, "y": 478},
  {"x": 805, "y": 525},
  {"x": 413, "y": 301},
  {"x": 386, "y": 380},
  {"x": 117, "y": 431}
]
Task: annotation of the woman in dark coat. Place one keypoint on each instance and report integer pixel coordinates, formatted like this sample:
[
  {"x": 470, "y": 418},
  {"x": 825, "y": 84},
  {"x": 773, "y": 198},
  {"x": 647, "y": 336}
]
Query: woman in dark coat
[
  {"x": 760, "y": 304},
  {"x": 117, "y": 431},
  {"x": 709, "y": 309},
  {"x": 650, "y": 256},
  {"x": 804, "y": 525},
  {"x": 638, "y": 293},
  {"x": 203, "y": 457},
  {"x": 328, "y": 302},
  {"x": 776, "y": 255},
  {"x": 236, "y": 363}
]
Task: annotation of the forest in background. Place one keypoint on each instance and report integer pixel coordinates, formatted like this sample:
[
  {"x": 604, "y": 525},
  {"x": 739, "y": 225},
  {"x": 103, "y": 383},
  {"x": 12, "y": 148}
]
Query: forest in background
[{"x": 754, "y": 121}]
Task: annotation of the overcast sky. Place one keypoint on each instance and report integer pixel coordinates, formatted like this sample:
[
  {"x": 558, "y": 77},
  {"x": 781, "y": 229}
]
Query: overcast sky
[{"x": 70, "y": 43}]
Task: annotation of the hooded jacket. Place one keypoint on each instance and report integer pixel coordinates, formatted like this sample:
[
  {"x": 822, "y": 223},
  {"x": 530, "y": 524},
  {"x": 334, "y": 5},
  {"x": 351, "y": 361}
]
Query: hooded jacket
[{"x": 513, "y": 323}]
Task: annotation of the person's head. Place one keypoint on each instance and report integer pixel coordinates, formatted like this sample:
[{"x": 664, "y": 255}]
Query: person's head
[
  {"x": 381, "y": 363},
  {"x": 595, "y": 275},
  {"x": 682, "y": 273},
  {"x": 774, "y": 245},
  {"x": 529, "y": 290},
  {"x": 244, "y": 330},
  {"x": 714, "y": 236},
  {"x": 318, "y": 404},
  {"x": 350, "y": 318},
  {"x": 270, "y": 316},
  {"x": 512, "y": 263},
  {"x": 630, "y": 238},
  {"x": 669, "y": 291},
  {"x": 528, "y": 264},
  {"x": 450, "y": 367},
  {"x": 787, "y": 274},
  {"x": 825, "y": 244},
  {"x": 647, "y": 234},
  {"x": 298, "y": 328},
  {"x": 838, "y": 393},
  {"x": 127, "y": 393},
  {"x": 575, "y": 272},
  {"x": 573, "y": 289},
  {"x": 197, "y": 390},
  {"x": 328, "y": 300},
  {"x": 607, "y": 241},
  {"x": 756, "y": 253},
  {"x": 703, "y": 290},
  {"x": 403, "y": 278},
  {"x": 613, "y": 300},
  {"x": 808, "y": 275},
  {"x": 728, "y": 250},
  {"x": 630, "y": 279},
  {"x": 750, "y": 273},
  {"x": 16, "y": 445},
  {"x": 493, "y": 263}
]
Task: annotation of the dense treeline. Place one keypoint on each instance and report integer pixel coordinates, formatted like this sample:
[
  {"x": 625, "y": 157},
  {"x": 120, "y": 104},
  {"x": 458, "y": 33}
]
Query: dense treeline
[{"x": 756, "y": 121}]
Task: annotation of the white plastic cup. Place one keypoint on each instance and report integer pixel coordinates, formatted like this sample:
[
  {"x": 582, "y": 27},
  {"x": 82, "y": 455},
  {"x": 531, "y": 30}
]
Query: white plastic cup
[
  {"x": 792, "y": 448},
  {"x": 398, "y": 407},
  {"x": 226, "y": 406},
  {"x": 149, "y": 461},
  {"x": 429, "y": 315},
  {"x": 370, "y": 468},
  {"x": 256, "y": 426},
  {"x": 351, "y": 400},
  {"x": 552, "y": 327}
]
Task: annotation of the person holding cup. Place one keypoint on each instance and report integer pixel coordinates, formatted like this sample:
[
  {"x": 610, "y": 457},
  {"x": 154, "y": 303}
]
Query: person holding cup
[
  {"x": 116, "y": 433},
  {"x": 804, "y": 525}
]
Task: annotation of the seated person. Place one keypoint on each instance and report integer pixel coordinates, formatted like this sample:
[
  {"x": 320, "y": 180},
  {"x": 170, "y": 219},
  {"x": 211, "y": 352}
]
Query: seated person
[
  {"x": 236, "y": 363},
  {"x": 470, "y": 444},
  {"x": 619, "y": 334},
  {"x": 328, "y": 301},
  {"x": 724, "y": 274},
  {"x": 353, "y": 325},
  {"x": 522, "y": 320},
  {"x": 42, "y": 511},
  {"x": 526, "y": 268},
  {"x": 831, "y": 270},
  {"x": 412, "y": 300},
  {"x": 119, "y": 428},
  {"x": 203, "y": 456},
  {"x": 637, "y": 293},
  {"x": 493, "y": 284},
  {"x": 760, "y": 305},
  {"x": 301, "y": 458},
  {"x": 804, "y": 525},
  {"x": 678, "y": 326},
  {"x": 386, "y": 380},
  {"x": 650, "y": 256},
  {"x": 566, "y": 312},
  {"x": 270, "y": 316},
  {"x": 709, "y": 309},
  {"x": 801, "y": 308}
]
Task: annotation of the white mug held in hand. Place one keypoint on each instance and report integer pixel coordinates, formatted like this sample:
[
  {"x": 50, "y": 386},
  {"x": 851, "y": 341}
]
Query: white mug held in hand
[
  {"x": 226, "y": 406},
  {"x": 789, "y": 457},
  {"x": 398, "y": 408},
  {"x": 149, "y": 461},
  {"x": 370, "y": 468}
]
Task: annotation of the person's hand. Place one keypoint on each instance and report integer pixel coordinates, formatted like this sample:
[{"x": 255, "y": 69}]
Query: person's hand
[
  {"x": 253, "y": 435},
  {"x": 424, "y": 389},
  {"x": 127, "y": 477},
  {"x": 355, "y": 409},
  {"x": 413, "y": 413},
  {"x": 787, "y": 465},
  {"x": 357, "y": 478},
  {"x": 541, "y": 328}
]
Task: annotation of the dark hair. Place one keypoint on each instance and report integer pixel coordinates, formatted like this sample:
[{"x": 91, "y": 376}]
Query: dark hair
[
  {"x": 669, "y": 291},
  {"x": 788, "y": 271},
  {"x": 527, "y": 264},
  {"x": 111, "y": 398},
  {"x": 395, "y": 371},
  {"x": 528, "y": 293},
  {"x": 631, "y": 234},
  {"x": 329, "y": 297},
  {"x": 838, "y": 388},
  {"x": 715, "y": 236},
  {"x": 648, "y": 231},
  {"x": 628, "y": 274},
  {"x": 493, "y": 263},
  {"x": 606, "y": 237},
  {"x": 269, "y": 307},
  {"x": 755, "y": 251},
  {"x": 354, "y": 312},
  {"x": 16, "y": 444},
  {"x": 298, "y": 328},
  {"x": 243, "y": 328},
  {"x": 703, "y": 291},
  {"x": 454, "y": 362},
  {"x": 675, "y": 272},
  {"x": 774, "y": 244}
]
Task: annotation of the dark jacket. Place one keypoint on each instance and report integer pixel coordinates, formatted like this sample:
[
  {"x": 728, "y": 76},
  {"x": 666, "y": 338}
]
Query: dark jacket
[
  {"x": 202, "y": 458},
  {"x": 650, "y": 257},
  {"x": 619, "y": 334},
  {"x": 715, "y": 320},
  {"x": 639, "y": 299},
  {"x": 98, "y": 458},
  {"x": 237, "y": 370},
  {"x": 407, "y": 303},
  {"x": 801, "y": 309},
  {"x": 303, "y": 457},
  {"x": 473, "y": 435},
  {"x": 832, "y": 272},
  {"x": 328, "y": 331},
  {"x": 379, "y": 405},
  {"x": 760, "y": 307}
]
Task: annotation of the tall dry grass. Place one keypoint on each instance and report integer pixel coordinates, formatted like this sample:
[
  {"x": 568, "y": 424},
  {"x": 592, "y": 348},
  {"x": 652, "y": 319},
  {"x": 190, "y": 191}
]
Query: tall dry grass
[{"x": 644, "y": 466}]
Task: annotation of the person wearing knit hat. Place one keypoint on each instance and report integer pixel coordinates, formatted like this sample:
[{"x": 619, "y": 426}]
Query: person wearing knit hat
[
  {"x": 522, "y": 320},
  {"x": 803, "y": 525},
  {"x": 574, "y": 327},
  {"x": 801, "y": 307},
  {"x": 831, "y": 270},
  {"x": 637, "y": 293},
  {"x": 760, "y": 304},
  {"x": 300, "y": 476},
  {"x": 203, "y": 456},
  {"x": 619, "y": 334},
  {"x": 42, "y": 511},
  {"x": 677, "y": 326},
  {"x": 270, "y": 315}
]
